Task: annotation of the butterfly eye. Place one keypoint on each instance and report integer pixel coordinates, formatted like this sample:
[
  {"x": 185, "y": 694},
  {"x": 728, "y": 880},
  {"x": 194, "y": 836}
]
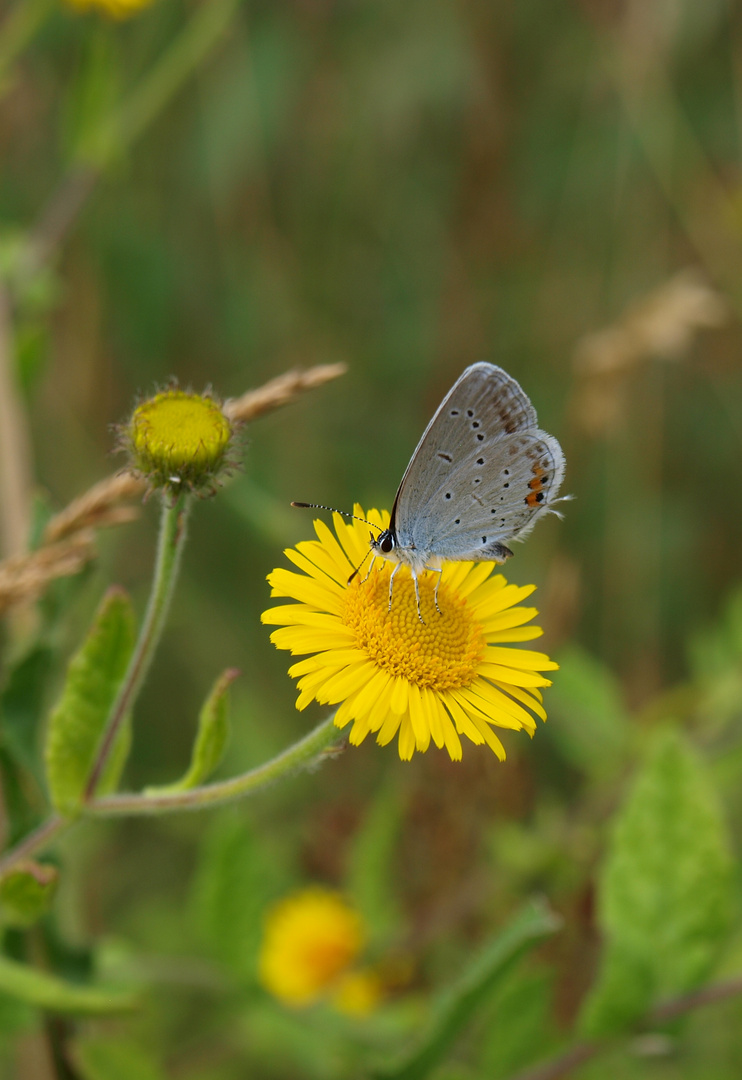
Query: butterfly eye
[{"x": 386, "y": 543}]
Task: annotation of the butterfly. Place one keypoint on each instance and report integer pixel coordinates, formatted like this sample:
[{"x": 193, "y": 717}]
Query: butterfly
[{"x": 482, "y": 475}]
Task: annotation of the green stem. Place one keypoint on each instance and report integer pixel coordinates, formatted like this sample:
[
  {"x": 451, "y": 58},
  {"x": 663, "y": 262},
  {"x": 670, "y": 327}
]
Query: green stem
[
  {"x": 169, "y": 548},
  {"x": 301, "y": 755},
  {"x": 18, "y": 28},
  {"x": 120, "y": 129},
  {"x": 34, "y": 841}
]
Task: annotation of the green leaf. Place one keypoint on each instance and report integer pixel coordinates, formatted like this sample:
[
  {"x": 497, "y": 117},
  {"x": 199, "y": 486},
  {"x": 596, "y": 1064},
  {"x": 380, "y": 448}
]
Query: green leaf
[
  {"x": 457, "y": 1006},
  {"x": 518, "y": 1025},
  {"x": 21, "y": 706},
  {"x": 26, "y": 892},
  {"x": 591, "y": 720},
  {"x": 238, "y": 875},
  {"x": 211, "y": 738},
  {"x": 21, "y": 703},
  {"x": 109, "y": 1059},
  {"x": 94, "y": 676},
  {"x": 665, "y": 893},
  {"x": 46, "y": 991}
]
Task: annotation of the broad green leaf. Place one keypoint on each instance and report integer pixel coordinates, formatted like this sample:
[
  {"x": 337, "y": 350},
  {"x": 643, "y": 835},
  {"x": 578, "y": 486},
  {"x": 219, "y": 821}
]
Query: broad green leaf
[
  {"x": 238, "y": 875},
  {"x": 113, "y": 1059},
  {"x": 46, "y": 991},
  {"x": 456, "y": 1007},
  {"x": 665, "y": 892},
  {"x": 211, "y": 738},
  {"x": 94, "y": 676},
  {"x": 518, "y": 1025},
  {"x": 26, "y": 892},
  {"x": 591, "y": 722}
]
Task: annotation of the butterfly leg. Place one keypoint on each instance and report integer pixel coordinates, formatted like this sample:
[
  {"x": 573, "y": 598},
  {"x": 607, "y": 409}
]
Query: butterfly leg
[
  {"x": 391, "y": 583},
  {"x": 370, "y": 568},
  {"x": 417, "y": 598},
  {"x": 438, "y": 571}
]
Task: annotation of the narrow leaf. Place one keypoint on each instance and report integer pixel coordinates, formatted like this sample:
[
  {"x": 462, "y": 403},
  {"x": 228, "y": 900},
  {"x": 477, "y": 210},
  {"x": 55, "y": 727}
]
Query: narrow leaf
[
  {"x": 48, "y": 992},
  {"x": 94, "y": 676},
  {"x": 665, "y": 894},
  {"x": 26, "y": 892},
  {"x": 211, "y": 737},
  {"x": 98, "y": 1058},
  {"x": 458, "y": 1005}
]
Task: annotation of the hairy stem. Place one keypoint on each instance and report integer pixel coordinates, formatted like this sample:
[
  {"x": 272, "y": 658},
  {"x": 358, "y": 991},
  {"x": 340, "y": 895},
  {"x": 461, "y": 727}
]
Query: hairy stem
[
  {"x": 301, "y": 755},
  {"x": 169, "y": 548}
]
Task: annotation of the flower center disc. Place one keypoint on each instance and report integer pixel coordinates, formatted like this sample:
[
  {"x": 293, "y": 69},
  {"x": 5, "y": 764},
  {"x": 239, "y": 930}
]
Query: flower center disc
[{"x": 441, "y": 653}]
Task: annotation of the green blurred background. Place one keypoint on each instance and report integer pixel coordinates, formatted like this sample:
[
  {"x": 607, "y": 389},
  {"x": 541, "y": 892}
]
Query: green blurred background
[{"x": 409, "y": 188}]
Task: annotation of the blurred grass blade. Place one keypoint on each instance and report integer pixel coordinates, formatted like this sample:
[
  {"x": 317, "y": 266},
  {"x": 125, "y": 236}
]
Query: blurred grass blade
[
  {"x": 48, "y": 992},
  {"x": 77, "y": 723},
  {"x": 370, "y": 879},
  {"x": 665, "y": 894},
  {"x": 17, "y": 30},
  {"x": 26, "y": 892},
  {"x": 211, "y": 738},
  {"x": 457, "y": 1006}
]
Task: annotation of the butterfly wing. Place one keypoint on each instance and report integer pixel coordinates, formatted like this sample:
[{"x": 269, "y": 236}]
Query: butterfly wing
[{"x": 482, "y": 474}]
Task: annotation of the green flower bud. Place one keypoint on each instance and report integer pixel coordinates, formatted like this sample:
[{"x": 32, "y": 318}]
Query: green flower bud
[{"x": 178, "y": 440}]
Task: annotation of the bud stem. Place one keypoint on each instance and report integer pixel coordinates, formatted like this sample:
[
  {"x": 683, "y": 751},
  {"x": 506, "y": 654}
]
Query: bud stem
[
  {"x": 170, "y": 544},
  {"x": 303, "y": 754}
]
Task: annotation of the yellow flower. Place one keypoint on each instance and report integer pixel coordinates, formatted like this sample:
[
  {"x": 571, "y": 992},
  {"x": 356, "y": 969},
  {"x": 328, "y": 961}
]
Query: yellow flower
[
  {"x": 310, "y": 941},
  {"x": 117, "y": 9},
  {"x": 358, "y": 993},
  {"x": 390, "y": 673},
  {"x": 178, "y": 440}
]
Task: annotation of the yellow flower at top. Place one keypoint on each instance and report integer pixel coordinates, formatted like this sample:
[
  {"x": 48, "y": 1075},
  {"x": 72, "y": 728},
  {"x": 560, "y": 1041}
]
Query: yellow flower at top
[
  {"x": 390, "y": 673},
  {"x": 310, "y": 942},
  {"x": 178, "y": 440},
  {"x": 117, "y": 9}
]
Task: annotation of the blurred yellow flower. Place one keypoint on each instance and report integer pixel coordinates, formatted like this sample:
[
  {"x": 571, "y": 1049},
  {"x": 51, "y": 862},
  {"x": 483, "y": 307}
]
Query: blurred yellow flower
[
  {"x": 358, "y": 993},
  {"x": 117, "y": 9},
  {"x": 310, "y": 942},
  {"x": 389, "y": 672}
]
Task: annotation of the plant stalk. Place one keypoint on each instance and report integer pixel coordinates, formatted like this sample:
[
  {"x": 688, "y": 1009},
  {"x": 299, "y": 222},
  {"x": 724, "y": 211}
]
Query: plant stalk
[
  {"x": 169, "y": 548},
  {"x": 301, "y": 755}
]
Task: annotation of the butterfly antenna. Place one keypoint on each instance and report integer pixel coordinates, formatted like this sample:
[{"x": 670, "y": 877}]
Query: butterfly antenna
[
  {"x": 359, "y": 566},
  {"x": 334, "y": 510}
]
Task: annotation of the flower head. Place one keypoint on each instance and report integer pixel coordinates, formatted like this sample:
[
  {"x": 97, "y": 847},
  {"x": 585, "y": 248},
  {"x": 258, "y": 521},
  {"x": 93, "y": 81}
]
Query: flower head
[
  {"x": 390, "y": 673},
  {"x": 310, "y": 942},
  {"x": 116, "y": 9},
  {"x": 178, "y": 439}
]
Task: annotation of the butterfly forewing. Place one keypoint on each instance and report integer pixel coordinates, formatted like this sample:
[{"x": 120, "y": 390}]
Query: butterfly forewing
[
  {"x": 482, "y": 473},
  {"x": 483, "y": 403}
]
